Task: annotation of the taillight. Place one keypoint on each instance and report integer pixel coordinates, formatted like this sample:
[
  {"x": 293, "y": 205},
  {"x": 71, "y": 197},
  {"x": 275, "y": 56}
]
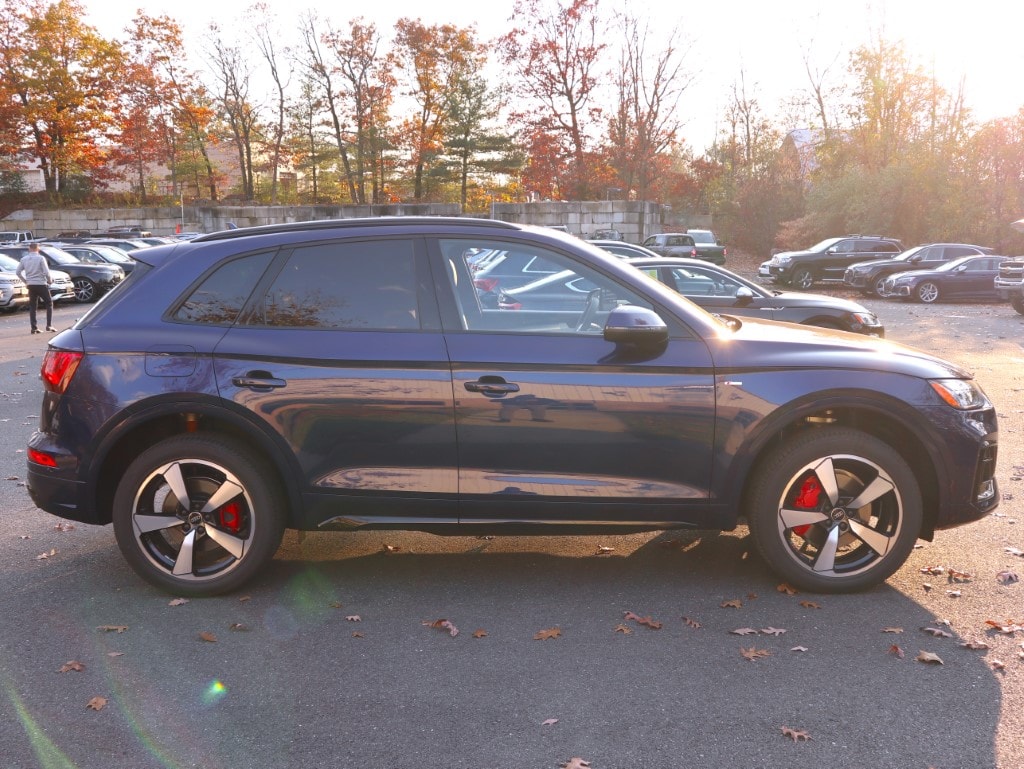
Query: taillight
[
  {"x": 40, "y": 458},
  {"x": 58, "y": 368},
  {"x": 725, "y": 252}
]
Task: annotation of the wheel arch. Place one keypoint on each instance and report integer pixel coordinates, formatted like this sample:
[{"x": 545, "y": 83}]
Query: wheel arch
[
  {"x": 885, "y": 418},
  {"x": 155, "y": 420}
]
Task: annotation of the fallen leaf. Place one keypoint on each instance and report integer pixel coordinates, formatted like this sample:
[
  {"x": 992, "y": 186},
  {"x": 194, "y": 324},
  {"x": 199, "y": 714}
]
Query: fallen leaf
[
  {"x": 549, "y": 722},
  {"x": 244, "y": 598},
  {"x": 754, "y": 654},
  {"x": 391, "y": 549},
  {"x": 953, "y": 593},
  {"x": 115, "y": 654},
  {"x": 799, "y": 649},
  {"x": 652, "y": 624},
  {"x": 810, "y": 605},
  {"x": 751, "y": 596},
  {"x": 74, "y": 665},
  {"x": 357, "y": 634},
  {"x": 575, "y": 763},
  {"x": 892, "y": 630},
  {"x": 113, "y": 628},
  {"x": 543, "y": 635},
  {"x": 974, "y": 645},
  {"x": 44, "y": 556},
  {"x": 624, "y": 629},
  {"x": 924, "y": 656},
  {"x": 933, "y": 570},
  {"x": 927, "y": 586},
  {"x": 59, "y": 526},
  {"x": 795, "y": 734},
  {"x": 997, "y": 664},
  {"x": 443, "y": 624},
  {"x": 734, "y": 603},
  {"x": 937, "y": 632},
  {"x": 1007, "y": 577},
  {"x": 959, "y": 576},
  {"x": 178, "y": 602},
  {"x": 479, "y": 634},
  {"x": 605, "y": 550},
  {"x": 1014, "y": 551},
  {"x": 354, "y": 618},
  {"x": 896, "y": 650},
  {"x": 744, "y": 631},
  {"x": 1009, "y": 627},
  {"x": 207, "y": 636},
  {"x": 96, "y": 703},
  {"x": 775, "y": 631},
  {"x": 238, "y": 626},
  {"x": 691, "y": 623},
  {"x": 785, "y": 587}
]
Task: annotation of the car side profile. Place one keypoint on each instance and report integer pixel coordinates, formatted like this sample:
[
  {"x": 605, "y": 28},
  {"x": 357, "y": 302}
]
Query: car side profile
[
  {"x": 969, "y": 278},
  {"x": 719, "y": 290},
  {"x": 346, "y": 375},
  {"x": 826, "y": 262},
  {"x": 868, "y": 277}
]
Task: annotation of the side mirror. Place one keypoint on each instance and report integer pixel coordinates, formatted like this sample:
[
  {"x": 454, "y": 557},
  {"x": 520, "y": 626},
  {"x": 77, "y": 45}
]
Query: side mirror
[
  {"x": 635, "y": 325},
  {"x": 915, "y": 259},
  {"x": 744, "y": 296}
]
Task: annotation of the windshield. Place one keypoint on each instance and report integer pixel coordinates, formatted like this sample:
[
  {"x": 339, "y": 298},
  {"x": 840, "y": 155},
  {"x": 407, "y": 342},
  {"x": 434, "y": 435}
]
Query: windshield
[
  {"x": 8, "y": 263},
  {"x": 953, "y": 264},
  {"x": 908, "y": 254},
  {"x": 824, "y": 244},
  {"x": 112, "y": 254},
  {"x": 60, "y": 256}
]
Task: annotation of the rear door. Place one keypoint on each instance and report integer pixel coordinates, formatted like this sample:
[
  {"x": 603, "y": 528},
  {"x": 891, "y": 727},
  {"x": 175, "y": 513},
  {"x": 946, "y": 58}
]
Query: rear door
[
  {"x": 340, "y": 354},
  {"x": 555, "y": 424}
]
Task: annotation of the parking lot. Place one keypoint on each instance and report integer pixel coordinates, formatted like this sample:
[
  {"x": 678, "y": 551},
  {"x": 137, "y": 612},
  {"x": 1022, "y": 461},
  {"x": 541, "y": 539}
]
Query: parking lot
[{"x": 655, "y": 650}]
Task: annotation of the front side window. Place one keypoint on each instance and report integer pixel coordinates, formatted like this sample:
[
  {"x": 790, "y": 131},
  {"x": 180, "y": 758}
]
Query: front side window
[
  {"x": 350, "y": 285},
  {"x": 574, "y": 299}
]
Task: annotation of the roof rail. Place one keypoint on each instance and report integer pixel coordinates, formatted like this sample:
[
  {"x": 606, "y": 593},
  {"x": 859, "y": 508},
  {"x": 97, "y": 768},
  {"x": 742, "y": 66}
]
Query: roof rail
[{"x": 334, "y": 224}]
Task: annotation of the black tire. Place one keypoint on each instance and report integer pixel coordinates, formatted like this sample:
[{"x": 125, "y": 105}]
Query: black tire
[
  {"x": 227, "y": 545},
  {"x": 927, "y": 292},
  {"x": 878, "y": 286},
  {"x": 1018, "y": 304},
  {"x": 85, "y": 290},
  {"x": 802, "y": 278},
  {"x": 800, "y": 509}
]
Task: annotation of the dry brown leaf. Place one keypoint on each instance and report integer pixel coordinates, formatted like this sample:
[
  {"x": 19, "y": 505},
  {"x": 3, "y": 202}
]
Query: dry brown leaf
[
  {"x": 1014, "y": 551},
  {"x": 977, "y": 645},
  {"x": 691, "y": 623},
  {"x": 810, "y": 605},
  {"x": 575, "y": 763},
  {"x": 443, "y": 624},
  {"x": 391, "y": 549},
  {"x": 624, "y": 629},
  {"x": 997, "y": 664},
  {"x": 354, "y": 618},
  {"x": 775, "y": 631},
  {"x": 207, "y": 636},
  {"x": 62, "y": 527},
  {"x": 896, "y": 651},
  {"x": 799, "y": 649},
  {"x": 927, "y": 586},
  {"x": 754, "y": 654},
  {"x": 785, "y": 587},
  {"x": 959, "y": 576},
  {"x": 357, "y": 634},
  {"x": 480, "y": 633},
  {"x": 751, "y": 596},
  {"x": 238, "y": 627},
  {"x": 605, "y": 550},
  {"x": 544, "y": 635},
  {"x": 924, "y": 656},
  {"x": 937, "y": 632},
  {"x": 733, "y": 603},
  {"x": 74, "y": 665},
  {"x": 115, "y": 654},
  {"x": 178, "y": 602},
  {"x": 1007, "y": 577},
  {"x": 953, "y": 593},
  {"x": 744, "y": 631},
  {"x": 892, "y": 630},
  {"x": 44, "y": 556},
  {"x": 933, "y": 570},
  {"x": 795, "y": 734},
  {"x": 96, "y": 703},
  {"x": 1008, "y": 627},
  {"x": 244, "y": 598},
  {"x": 113, "y": 628},
  {"x": 549, "y": 722}
]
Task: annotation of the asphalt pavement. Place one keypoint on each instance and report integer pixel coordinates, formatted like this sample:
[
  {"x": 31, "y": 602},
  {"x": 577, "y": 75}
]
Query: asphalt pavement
[{"x": 618, "y": 651}]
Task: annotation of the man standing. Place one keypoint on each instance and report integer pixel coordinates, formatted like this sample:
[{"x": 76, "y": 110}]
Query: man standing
[{"x": 35, "y": 271}]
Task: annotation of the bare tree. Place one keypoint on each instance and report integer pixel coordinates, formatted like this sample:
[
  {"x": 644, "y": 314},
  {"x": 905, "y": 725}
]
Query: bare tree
[
  {"x": 231, "y": 69},
  {"x": 265, "y": 35}
]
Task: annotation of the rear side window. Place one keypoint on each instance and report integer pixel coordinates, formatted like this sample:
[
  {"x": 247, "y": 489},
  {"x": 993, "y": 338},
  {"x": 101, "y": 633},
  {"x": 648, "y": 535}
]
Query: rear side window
[
  {"x": 220, "y": 297},
  {"x": 351, "y": 285}
]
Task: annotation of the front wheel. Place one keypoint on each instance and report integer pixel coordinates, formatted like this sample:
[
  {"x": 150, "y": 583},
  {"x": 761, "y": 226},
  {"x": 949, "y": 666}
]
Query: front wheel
[
  {"x": 878, "y": 288},
  {"x": 197, "y": 515},
  {"x": 928, "y": 292},
  {"x": 85, "y": 290},
  {"x": 834, "y": 510},
  {"x": 802, "y": 278},
  {"x": 1018, "y": 304}
]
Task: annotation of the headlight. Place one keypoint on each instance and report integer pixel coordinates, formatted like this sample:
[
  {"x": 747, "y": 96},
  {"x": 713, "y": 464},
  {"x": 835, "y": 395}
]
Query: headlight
[
  {"x": 865, "y": 318},
  {"x": 960, "y": 393},
  {"x": 780, "y": 260}
]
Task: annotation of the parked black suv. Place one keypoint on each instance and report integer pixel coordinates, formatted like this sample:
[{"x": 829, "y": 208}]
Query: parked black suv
[
  {"x": 827, "y": 261},
  {"x": 869, "y": 277},
  {"x": 345, "y": 375}
]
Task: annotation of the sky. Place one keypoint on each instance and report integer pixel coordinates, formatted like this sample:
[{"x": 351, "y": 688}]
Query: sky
[{"x": 980, "y": 42}]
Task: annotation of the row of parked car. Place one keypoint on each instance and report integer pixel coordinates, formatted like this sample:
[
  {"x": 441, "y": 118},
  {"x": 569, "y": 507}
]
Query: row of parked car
[
  {"x": 879, "y": 266},
  {"x": 84, "y": 266}
]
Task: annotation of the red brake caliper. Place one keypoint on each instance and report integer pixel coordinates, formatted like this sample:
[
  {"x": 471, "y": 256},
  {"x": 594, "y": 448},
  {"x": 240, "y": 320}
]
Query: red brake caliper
[
  {"x": 231, "y": 516},
  {"x": 807, "y": 499}
]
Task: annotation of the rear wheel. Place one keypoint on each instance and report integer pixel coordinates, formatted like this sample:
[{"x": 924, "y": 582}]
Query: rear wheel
[
  {"x": 196, "y": 515},
  {"x": 834, "y": 510},
  {"x": 85, "y": 290},
  {"x": 928, "y": 292}
]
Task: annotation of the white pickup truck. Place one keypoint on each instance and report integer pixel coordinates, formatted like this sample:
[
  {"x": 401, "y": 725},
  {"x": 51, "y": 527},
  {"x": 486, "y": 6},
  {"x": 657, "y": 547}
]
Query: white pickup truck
[{"x": 16, "y": 236}]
